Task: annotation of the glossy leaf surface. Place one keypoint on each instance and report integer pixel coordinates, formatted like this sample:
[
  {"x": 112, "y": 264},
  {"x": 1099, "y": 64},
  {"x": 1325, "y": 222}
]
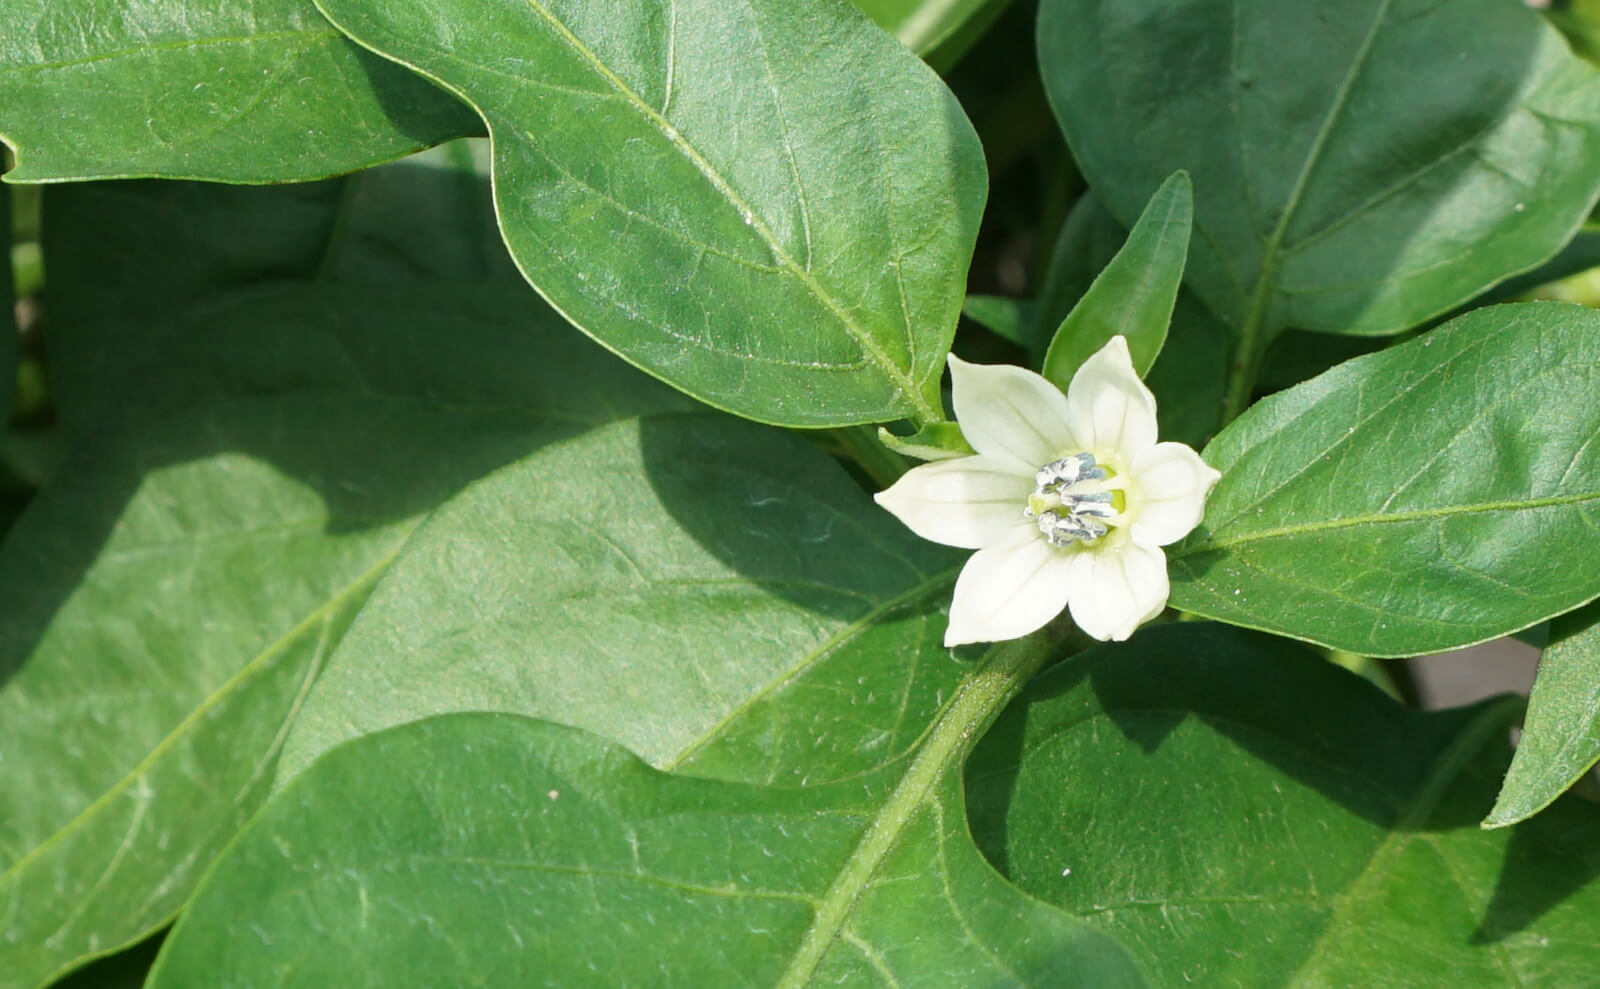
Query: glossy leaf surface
[
  {"x": 177, "y": 586},
  {"x": 688, "y": 566},
  {"x": 226, "y": 90},
  {"x": 1323, "y": 201},
  {"x": 539, "y": 855},
  {"x": 1259, "y": 788},
  {"x": 1407, "y": 502},
  {"x": 1134, "y": 293},
  {"x": 769, "y": 205},
  {"x": 1561, "y": 732},
  {"x": 139, "y": 735}
]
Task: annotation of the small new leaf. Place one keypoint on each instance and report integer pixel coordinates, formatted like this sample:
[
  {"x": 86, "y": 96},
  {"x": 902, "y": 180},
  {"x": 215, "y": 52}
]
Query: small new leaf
[{"x": 1133, "y": 297}]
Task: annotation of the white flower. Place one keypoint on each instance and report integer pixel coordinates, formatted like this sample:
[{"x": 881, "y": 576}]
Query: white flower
[{"x": 1067, "y": 502}]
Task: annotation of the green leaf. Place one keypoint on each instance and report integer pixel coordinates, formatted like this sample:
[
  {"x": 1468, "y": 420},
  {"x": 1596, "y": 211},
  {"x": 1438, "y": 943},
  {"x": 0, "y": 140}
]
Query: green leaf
[
  {"x": 1561, "y": 733},
  {"x": 1005, "y": 317},
  {"x": 1087, "y": 241},
  {"x": 546, "y": 856},
  {"x": 769, "y": 205},
  {"x": 1188, "y": 379},
  {"x": 1323, "y": 200},
  {"x": 1298, "y": 355},
  {"x": 172, "y": 594},
  {"x": 1407, "y": 501},
  {"x": 235, "y": 91},
  {"x": 1581, "y": 254},
  {"x": 170, "y": 598},
  {"x": 1200, "y": 781},
  {"x": 392, "y": 280},
  {"x": 1134, "y": 294},
  {"x": 688, "y": 566}
]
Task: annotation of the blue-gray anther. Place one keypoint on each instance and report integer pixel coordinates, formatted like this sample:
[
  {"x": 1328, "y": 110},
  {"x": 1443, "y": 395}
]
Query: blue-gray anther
[
  {"x": 1066, "y": 472},
  {"x": 1063, "y": 514}
]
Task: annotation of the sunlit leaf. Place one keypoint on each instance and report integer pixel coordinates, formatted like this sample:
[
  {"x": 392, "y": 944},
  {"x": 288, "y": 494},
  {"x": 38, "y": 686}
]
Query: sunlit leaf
[
  {"x": 1133, "y": 295},
  {"x": 172, "y": 593},
  {"x": 1356, "y": 170},
  {"x": 502, "y": 851},
  {"x": 1407, "y": 501},
  {"x": 646, "y": 583},
  {"x": 770, "y": 205},
  {"x": 227, "y": 90}
]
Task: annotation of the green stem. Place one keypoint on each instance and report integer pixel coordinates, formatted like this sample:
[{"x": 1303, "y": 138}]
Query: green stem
[
  {"x": 1004, "y": 671},
  {"x": 882, "y": 464},
  {"x": 1247, "y": 353}
]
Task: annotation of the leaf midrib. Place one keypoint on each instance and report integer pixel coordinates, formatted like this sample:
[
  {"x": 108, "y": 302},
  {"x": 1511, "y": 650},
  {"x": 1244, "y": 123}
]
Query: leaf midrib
[
  {"x": 902, "y": 381},
  {"x": 1006, "y": 668},
  {"x": 835, "y": 642},
  {"x": 1408, "y": 826},
  {"x": 1417, "y": 515},
  {"x": 1253, "y": 331},
  {"x": 273, "y": 650}
]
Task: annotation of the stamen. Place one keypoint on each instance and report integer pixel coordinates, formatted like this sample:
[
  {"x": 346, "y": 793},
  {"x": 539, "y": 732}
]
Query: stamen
[{"x": 1063, "y": 514}]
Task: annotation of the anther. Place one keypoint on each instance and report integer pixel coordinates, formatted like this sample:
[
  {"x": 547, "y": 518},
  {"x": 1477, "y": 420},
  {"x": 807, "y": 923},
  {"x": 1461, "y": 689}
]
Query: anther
[{"x": 1065, "y": 515}]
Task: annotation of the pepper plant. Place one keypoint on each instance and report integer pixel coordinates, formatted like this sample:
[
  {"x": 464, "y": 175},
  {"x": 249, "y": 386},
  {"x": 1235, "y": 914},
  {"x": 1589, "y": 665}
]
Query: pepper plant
[{"x": 441, "y": 544}]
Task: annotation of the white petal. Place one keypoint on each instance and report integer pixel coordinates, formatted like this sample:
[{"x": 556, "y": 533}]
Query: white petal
[
  {"x": 1010, "y": 414},
  {"x": 1113, "y": 591},
  {"x": 1109, "y": 407},
  {"x": 970, "y": 502},
  {"x": 1171, "y": 483},
  {"x": 1007, "y": 591}
]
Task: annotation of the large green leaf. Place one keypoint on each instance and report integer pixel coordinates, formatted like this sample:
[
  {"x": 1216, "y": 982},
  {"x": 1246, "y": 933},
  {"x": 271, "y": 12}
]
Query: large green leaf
[
  {"x": 228, "y": 90},
  {"x": 494, "y": 850},
  {"x": 687, "y": 568},
  {"x": 172, "y": 594},
  {"x": 770, "y": 205},
  {"x": 1435, "y": 494},
  {"x": 169, "y": 599},
  {"x": 1358, "y": 167},
  {"x": 1561, "y": 734},
  {"x": 1198, "y": 782}
]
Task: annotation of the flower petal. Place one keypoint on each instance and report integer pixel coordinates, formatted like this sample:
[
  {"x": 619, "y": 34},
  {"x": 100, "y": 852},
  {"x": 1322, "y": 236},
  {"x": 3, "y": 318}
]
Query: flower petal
[
  {"x": 1113, "y": 591},
  {"x": 1109, "y": 407},
  {"x": 971, "y": 502},
  {"x": 1010, "y": 414},
  {"x": 1172, "y": 483},
  {"x": 1007, "y": 591}
]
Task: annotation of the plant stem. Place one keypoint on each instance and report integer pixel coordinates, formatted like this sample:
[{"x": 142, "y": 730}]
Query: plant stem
[
  {"x": 882, "y": 464},
  {"x": 1004, "y": 671},
  {"x": 1246, "y": 363}
]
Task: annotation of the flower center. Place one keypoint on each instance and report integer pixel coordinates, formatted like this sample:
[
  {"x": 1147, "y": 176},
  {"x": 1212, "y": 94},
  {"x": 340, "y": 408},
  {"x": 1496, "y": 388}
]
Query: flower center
[{"x": 1069, "y": 502}]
